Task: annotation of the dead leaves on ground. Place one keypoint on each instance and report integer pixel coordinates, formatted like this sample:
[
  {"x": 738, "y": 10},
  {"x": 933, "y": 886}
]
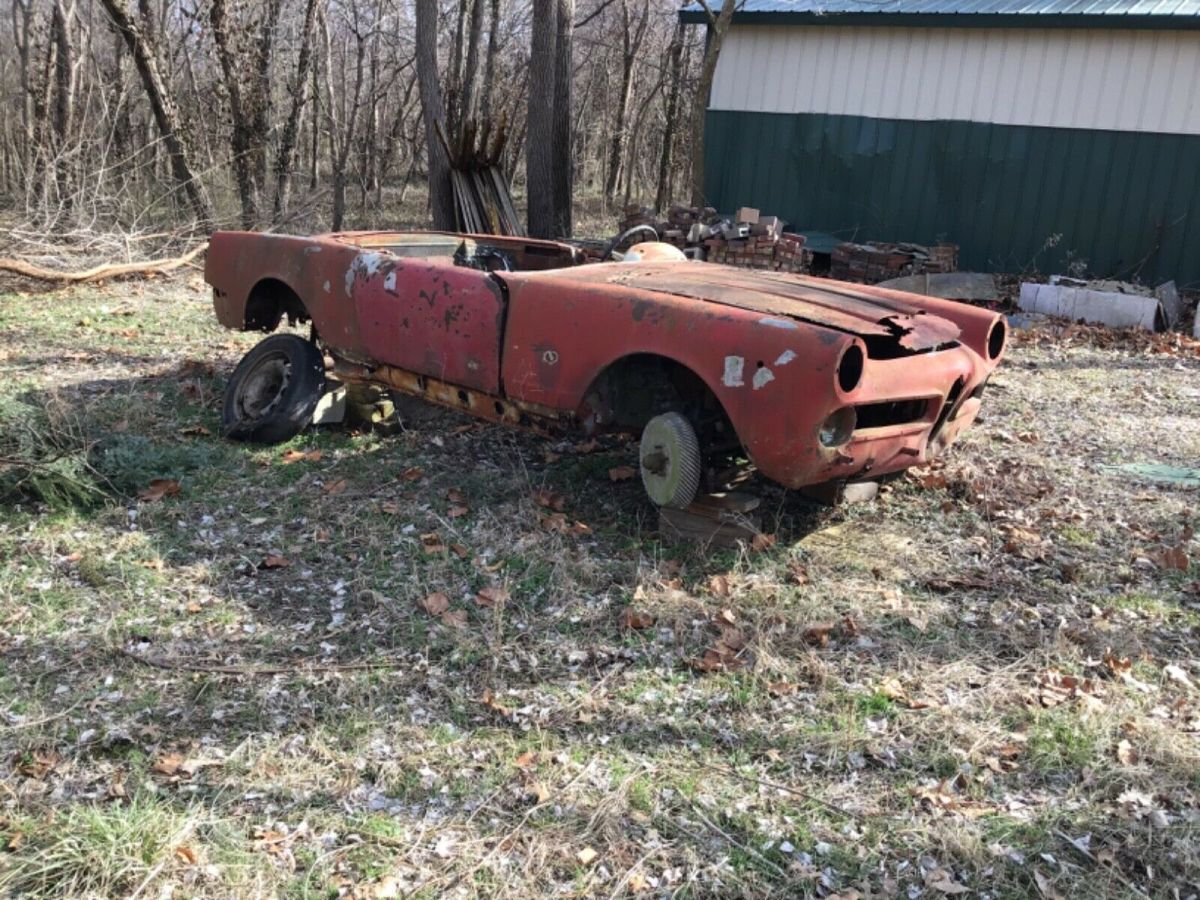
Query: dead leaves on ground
[
  {"x": 728, "y": 653},
  {"x": 492, "y": 597},
  {"x": 437, "y": 604},
  {"x": 295, "y": 456},
  {"x": 1054, "y": 688},
  {"x": 632, "y": 620},
  {"x": 159, "y": 489}
]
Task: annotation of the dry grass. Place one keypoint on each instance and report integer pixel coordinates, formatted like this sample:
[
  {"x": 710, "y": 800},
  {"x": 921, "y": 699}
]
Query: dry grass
[{"x": 984, "y": 680}]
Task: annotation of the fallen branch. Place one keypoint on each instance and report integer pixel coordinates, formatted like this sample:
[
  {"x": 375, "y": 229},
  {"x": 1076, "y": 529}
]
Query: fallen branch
[
  {"x": 107, "y": 270},
  {"x": 182, "y": 665}
]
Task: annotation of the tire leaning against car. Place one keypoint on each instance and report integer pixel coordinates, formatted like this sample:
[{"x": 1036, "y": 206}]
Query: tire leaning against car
[{"x": 274, "y": 390}]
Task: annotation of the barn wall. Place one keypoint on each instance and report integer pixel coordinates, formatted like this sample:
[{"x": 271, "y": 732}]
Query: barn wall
[
  {"x": 1025, "y": 148},
  {"x": 1060, "y": 78}
]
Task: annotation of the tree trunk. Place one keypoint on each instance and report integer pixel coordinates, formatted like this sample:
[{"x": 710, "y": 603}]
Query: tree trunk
[
  {"x": 718, "y": 25},
  {"x": 563, "y": 164},
  {"x": 471, "y": 68},
  {"x": 661, "y": 195},
  {"x": 441, "y": 196},
  {"x": 162, "y": 105},
  {"x": 539, "y": 152},
  {"x": 287, "y": 142},
  {"x": 489, "y": 66}
]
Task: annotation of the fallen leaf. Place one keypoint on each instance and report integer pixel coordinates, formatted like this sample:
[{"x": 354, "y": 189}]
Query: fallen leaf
[
  {"x": 586, "y": 855},
  {"x": 457, "y": 511},
  {"x": 762, "y": 542},
  {"x": 435, "y": 604},
  {"x": 187, "y": 854},
  {"x": 291, "y": 456},
  {"x": 38, "y": 763},
  {"x": 1171, "y": 558},
  {"x": 489, "y": 700},
  {"x": 158, "y": 489},
  {"x": 412, "y": 473},
  {"x": 195, "y": 431},
  {"x": 526, "y": 759},
  {"x": 391, "y": 507},
  {"x": 550, "y": 499},
  {"x": 782, "y": 688},
  {"x": 455, "y": 618},
  {"x": 193, "y": 607},
  {"x": 274, "y": 562},
  {"x": 167, "y": 764},
  {"x": 491, "y": 597},
  {"x": 432, "y": 544},
  {"x": 818, "y": 635},
  {"x": 454, "y": 495},
  {"x": 336, "y": 487},
  {"x": 718, "y": 585},
  {"x": 460, "y": 551},
  {"x": 630, "y": 619},
  {"x": 725, "y": 617},
  {"x": 1126, "y": 754},
  {"x": 1117, "y": 665},
  {"x": 621, "y": 473},
  {"x": 945, "y": 883},
  {"x": 1045, "y": 886},
  {"x": 798, "y": 572}
]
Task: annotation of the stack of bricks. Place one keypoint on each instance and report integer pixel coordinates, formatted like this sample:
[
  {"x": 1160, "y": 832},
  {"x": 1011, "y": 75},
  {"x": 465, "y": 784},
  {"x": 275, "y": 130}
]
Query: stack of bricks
[
  {"x": 872, "y": 263},
  {"x": 749, "y": 240},
  {"x": 757, "y": 242}
]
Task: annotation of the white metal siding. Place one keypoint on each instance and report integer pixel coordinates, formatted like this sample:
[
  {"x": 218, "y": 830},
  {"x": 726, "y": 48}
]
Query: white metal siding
[{"x": 1120, "y": 80}]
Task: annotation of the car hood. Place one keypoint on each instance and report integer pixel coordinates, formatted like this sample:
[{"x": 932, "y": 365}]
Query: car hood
[{"x": 818, "y": 301}]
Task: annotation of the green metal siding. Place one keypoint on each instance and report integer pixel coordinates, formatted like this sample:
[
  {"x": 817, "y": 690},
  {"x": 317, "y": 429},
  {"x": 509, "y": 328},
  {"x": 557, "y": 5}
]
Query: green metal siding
[{"x": 1127, "y": 203}]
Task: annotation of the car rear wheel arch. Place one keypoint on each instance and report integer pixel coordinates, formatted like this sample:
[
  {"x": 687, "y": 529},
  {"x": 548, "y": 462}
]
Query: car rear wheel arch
[{"x": 268, "y": 302}]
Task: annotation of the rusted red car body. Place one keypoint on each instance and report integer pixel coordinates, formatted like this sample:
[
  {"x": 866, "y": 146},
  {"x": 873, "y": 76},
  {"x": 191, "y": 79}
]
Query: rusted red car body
[{"x": 781, "y": 353}]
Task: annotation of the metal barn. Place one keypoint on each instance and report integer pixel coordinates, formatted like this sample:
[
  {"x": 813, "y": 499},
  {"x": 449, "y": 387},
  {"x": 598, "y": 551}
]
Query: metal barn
[{"x": 1028, "y": 132}]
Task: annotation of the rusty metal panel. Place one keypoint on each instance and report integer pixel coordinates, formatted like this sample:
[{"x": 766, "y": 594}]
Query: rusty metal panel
[{"x": 429, "y": 316}]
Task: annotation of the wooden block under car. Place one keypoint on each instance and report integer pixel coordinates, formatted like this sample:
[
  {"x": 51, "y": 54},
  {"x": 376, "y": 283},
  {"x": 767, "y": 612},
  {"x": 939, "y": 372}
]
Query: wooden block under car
[{"x": 720, "y": 519}]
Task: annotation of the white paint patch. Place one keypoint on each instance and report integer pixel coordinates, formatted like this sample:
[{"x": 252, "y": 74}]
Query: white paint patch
[
  {"x": 735, "y": 367},
  {"x": 389, "y": 282},
  {"x": 763, "y": 376},
  {"x": 365, "y": 264},
  {"x": 327, "y": 287},
  {"x": 772, "y": 322},
  {"x": 785, "y": 357}
]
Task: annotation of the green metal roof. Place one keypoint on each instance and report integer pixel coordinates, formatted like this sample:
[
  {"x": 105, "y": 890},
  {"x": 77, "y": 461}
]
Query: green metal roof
[{"x": 975, "y": 13}]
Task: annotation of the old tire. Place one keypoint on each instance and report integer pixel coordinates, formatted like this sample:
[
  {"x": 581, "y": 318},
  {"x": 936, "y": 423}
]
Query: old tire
[
  {"x": 670, "y": 461},
  {"x": 274, "y": 390}
]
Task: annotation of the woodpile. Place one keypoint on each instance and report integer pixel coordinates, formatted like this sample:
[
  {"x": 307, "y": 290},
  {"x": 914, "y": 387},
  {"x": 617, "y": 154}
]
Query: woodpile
[
  {"x": 748, "y": 240},
  {"x": 872, "y": 263}
]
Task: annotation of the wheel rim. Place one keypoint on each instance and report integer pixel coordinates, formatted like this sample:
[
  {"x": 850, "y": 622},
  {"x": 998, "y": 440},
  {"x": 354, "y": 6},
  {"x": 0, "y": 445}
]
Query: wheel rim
[
  {"x": 262, "y": 390},
  {"x": 670, "y": 470}
]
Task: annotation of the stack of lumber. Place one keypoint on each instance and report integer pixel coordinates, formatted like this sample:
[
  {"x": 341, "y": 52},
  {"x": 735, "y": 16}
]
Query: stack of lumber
[
  {"x": 482, "y": 199},
  {"x": 748, "y": 239},
  {"x": 872, "y": 263}
]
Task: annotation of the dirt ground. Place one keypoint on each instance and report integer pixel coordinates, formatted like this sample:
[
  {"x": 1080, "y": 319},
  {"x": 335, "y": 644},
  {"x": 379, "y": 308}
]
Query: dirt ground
[{"x": 458, "y": 661}]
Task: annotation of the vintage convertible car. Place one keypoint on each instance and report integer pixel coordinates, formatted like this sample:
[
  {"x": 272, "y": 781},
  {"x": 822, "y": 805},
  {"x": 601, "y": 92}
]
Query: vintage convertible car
[{"x": 811, "y": 381}]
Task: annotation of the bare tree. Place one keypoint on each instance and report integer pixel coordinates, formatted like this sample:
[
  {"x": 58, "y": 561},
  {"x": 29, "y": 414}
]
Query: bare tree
[
  {"x": 298, "y": 89},
  {"x": 166, "y": 114},
  {"x": 718, "y": 25},
  {"x": 441, "y": 197}
]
